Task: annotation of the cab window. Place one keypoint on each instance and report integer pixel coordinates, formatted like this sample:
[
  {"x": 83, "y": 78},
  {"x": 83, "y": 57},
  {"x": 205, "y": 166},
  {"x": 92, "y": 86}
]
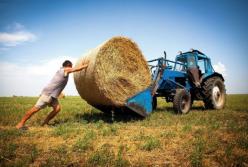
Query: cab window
[
  {"x": 191, "y": 61},
  {"x": 201, "y": 65},
  {"x": 181, "y": 66}
]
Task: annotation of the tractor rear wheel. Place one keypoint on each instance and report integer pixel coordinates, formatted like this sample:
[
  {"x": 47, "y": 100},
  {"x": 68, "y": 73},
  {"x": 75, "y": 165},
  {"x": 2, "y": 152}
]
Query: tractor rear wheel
[
  {"x": 182, "y": 101},
  {"x": 214, "y": 93}
]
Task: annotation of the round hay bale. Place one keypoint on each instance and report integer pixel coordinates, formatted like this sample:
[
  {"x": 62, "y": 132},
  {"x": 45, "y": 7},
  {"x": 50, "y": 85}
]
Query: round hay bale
[{"x": 117, "y": 70}]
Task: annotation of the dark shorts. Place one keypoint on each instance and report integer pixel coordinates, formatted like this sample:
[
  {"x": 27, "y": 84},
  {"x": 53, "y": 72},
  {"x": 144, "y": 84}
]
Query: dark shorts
[{"x": 45, "y": 100}]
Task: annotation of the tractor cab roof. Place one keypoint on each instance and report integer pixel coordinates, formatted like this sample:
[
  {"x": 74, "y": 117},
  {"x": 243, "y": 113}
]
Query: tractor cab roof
[{"x": 183, "y": 56}]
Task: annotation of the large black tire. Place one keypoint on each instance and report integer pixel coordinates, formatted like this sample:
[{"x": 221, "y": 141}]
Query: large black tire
[
  {"x": 154, "y": 103},
  {"x": 214, "y": 93},
  {"x": 182, "y": 101}
]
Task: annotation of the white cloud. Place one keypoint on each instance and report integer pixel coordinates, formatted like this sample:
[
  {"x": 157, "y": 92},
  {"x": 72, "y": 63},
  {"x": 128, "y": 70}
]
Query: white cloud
[
  {"x": 220, "y": 68},
  {"x": 28, "y": 80},
  {"x": 17, "y": 35}
]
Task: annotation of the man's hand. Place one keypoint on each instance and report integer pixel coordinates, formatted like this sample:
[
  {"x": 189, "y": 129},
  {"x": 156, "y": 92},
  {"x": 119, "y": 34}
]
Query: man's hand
[
  {"x": 84, "y": 65},
  {"x": 86, "y": 62}
]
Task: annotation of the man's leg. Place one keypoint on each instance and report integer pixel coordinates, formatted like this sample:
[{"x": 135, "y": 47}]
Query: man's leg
[
  {"x": 27, "y": 116},
  {"x": 55, "y": 111}
]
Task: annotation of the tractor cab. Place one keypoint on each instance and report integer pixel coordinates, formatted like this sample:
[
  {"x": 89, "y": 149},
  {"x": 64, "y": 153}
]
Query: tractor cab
[{"x": 196, "y": 64}]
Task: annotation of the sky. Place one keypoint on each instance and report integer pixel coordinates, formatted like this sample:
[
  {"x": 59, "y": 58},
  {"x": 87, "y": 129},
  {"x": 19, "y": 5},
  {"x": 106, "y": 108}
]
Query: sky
[{"x": 37, "y": 36}]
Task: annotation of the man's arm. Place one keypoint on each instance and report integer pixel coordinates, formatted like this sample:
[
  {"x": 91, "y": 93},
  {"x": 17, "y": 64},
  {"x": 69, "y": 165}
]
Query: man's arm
[{"x": 69, "y": 70}]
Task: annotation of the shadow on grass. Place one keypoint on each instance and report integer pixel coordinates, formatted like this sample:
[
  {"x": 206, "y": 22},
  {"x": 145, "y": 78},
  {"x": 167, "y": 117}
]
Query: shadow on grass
[
  {"x": 58, "y": 122},
  {"x": 170, "y": 109},
  {"x": 93, "y": 117},
  {"x": 123, "y": 116},
  {"x": 164, "y": 109},
  {"x": 119, "y": 116},
  {"x": 96, "y": 115}
]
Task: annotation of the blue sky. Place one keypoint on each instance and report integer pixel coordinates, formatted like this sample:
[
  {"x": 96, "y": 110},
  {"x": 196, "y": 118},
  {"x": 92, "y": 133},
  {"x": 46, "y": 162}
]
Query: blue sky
[{"x": 36, "y": 36}]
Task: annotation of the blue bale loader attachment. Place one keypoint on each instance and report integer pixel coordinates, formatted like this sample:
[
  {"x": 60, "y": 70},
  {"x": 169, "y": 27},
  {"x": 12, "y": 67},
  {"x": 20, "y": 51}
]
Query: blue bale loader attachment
[{"x": 141, "y": 103}]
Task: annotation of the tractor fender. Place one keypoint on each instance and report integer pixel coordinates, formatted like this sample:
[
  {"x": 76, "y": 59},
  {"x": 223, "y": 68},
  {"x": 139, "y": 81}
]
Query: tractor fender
[{"x": 215, "y": 74}]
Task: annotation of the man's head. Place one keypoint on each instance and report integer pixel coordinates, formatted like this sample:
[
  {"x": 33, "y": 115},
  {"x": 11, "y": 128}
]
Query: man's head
[{"x": 67, "y": 63}]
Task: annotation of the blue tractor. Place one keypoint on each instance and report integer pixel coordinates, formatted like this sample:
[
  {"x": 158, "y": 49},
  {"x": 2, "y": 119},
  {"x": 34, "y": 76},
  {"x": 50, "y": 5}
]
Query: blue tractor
[{"x": 190, "y": 77}]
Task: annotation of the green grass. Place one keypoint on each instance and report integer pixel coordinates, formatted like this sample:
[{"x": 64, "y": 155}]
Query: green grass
[
  {"x": 102, "y": 156},
  {"x": 86, "y": 142},
  {"x": 150, "y": 143},
  {"x": 197, "y": 153},
  {"x": 83, "y": 136}
]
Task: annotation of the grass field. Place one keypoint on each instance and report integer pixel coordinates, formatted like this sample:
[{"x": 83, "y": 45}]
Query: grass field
[{"x": 83, "y": 136}]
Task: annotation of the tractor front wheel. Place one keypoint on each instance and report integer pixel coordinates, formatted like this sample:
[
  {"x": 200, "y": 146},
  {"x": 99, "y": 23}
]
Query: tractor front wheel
[
  {"x": 214, "y": 93},
  {"x": 182, "y": 101}
]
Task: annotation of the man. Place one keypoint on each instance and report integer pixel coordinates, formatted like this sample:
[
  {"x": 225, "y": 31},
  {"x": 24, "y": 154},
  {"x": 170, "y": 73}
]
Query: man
[{"x": 51, "y": 92}]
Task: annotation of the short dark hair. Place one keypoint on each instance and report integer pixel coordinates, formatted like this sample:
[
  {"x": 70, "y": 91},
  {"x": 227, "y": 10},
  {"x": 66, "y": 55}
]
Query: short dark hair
[{"x": 67, "y": 63}]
